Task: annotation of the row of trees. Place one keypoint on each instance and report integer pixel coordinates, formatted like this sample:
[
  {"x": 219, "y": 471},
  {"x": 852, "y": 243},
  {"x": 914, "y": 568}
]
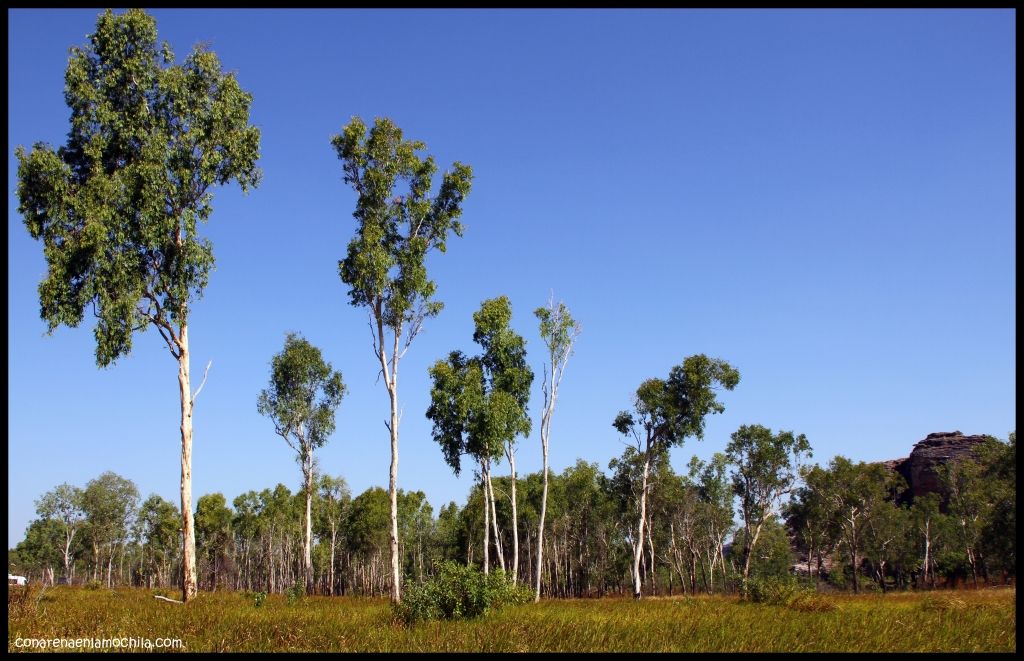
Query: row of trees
[
  {"x": 704, "y": 531},
  {"x": 118, "y": 210}
]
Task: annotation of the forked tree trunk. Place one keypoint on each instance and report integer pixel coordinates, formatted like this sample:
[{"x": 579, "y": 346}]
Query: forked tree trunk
[
  {"x": 494, "y": 521},
  {"x": 638, "y": 546},
  {"x": 748, "y": 550},
  {"x": 543, "y": 513}
]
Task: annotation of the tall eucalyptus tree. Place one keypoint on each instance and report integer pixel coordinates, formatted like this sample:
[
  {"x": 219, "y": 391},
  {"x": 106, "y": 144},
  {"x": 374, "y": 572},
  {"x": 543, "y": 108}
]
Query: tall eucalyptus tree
[
  {"x": 559, "y": 331},
  {"x": 385, "y": 267},
  {"x": 118, "y": 207}
]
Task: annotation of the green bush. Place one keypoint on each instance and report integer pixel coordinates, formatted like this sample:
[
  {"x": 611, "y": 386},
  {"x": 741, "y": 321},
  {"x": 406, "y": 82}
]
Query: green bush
[
  {"x": 295, "y": 593},
  {"x": 775, "y": 590},
  {"x": 258, "y": 598},
  {"x": 459, "y": 592},
  {"x": 93, "y": 584}
]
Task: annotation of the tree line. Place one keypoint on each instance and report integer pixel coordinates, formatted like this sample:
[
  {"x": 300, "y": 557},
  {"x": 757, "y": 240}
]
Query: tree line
[{"x": 705, "y": 530}]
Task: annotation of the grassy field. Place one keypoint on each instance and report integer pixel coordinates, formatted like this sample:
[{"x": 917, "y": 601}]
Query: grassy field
[{"x": 981, "y": 620}]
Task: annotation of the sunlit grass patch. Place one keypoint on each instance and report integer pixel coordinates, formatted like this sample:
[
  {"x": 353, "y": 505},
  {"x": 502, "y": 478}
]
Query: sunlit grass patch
[{"x": 226, "y": 621}]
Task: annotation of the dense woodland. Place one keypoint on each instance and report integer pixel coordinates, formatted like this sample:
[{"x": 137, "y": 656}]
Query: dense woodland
[{"x": 694, "y": 533}]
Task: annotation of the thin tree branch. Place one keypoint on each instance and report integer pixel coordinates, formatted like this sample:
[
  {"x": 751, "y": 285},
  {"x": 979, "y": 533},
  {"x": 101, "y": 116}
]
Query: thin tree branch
[{"x": 205, "y": 374}]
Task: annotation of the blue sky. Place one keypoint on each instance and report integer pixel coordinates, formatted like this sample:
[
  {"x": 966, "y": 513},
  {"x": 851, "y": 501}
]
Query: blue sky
[{"x": 825, "y": 199}]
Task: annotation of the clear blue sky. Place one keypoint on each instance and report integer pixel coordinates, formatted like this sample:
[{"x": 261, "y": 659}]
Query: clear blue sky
[{"x": 825, "y": 199}]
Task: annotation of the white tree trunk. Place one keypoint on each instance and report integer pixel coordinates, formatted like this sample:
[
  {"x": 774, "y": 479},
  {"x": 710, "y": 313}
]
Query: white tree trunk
[
  {"x": 307, "y": 539},
  {"x": 494, "y": 522},
  {"x": 188, "y": 553},
  {"x": 638, "y": 546},
  {"x": 543, "y": 513},
  {"x": 515, "y": 517},
  {"x": 487, "y": 517}
]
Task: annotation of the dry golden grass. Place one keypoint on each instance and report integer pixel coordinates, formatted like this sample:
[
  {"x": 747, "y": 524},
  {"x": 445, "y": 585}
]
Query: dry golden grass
[{"x": 983, "y": 620}]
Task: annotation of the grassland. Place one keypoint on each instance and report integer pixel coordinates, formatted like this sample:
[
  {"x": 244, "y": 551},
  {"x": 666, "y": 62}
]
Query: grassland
[{"x": 983, "y": 620}]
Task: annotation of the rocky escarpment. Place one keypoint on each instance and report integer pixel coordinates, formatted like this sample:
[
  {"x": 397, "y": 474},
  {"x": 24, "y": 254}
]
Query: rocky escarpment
[{"x": 920, "y": 469}]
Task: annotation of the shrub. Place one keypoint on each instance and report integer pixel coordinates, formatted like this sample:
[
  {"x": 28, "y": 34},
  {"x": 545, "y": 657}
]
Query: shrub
[
  {"x": 295, "y": 593},
  {"x": 459, "y": 592},
  {"x": 775, "y": 590},
  {"x": 93, "y": 584},
  {"x": 258, "y": 599}
]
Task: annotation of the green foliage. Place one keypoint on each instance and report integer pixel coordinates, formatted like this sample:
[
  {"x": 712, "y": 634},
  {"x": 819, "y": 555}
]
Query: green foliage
[
  {"x": 772, "y": 557},
  {"x": 158, "y": 525},
  {"x": 559, "y": 331},
  {"x": 774, "y": 590},
  {"x": 998, "y": 540},
  {"x": 93, "y": 584},
  {"x": 110, "y": 503},
  {"x": 765, "y": 469},
  {"x": 669, "y": 410},
  {"x": 385, "y": 267},
  {"x": 295, "y": 593},
  {"x": 258, "y": 599},
  {"x": 118, "y": 206},
  {"x": 303, "y": 395},
  {"x": 459, "y": 592},
  {"x": 479, "y": 404}
]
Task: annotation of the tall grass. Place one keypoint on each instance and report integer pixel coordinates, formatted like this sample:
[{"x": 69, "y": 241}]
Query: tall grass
[{"x": 983, "y": 620}]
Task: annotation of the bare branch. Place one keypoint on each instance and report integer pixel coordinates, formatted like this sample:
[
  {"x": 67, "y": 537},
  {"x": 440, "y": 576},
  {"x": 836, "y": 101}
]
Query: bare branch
[
  {"x": 205, "y": 374},
  {"x": 158, "y": 318},
  {"x": 286, "y": 434},
  {"x": 171, "y": 346}
]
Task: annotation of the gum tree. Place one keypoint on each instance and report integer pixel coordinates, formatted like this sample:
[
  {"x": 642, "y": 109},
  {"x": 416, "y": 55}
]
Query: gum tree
[
  {"x": 302, "y": 399},
  {"x": 479, "y": 404},
  {"x": 559, "y": 331},
  {"x": 333, "y": 504},
  {"x": 111, "y": 505},
  {"x": 65, "y": 506},
  {"x": 385, "y": 267},
  {"x": 854, "y": 494},
  {"x": 118, "y": 207},
  {"x": 158, "y": 534},
  {"x": 665, "y": 412},
  {"x": 765, "y": 468}
]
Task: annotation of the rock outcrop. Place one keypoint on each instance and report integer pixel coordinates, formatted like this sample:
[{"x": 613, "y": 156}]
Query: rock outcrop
[{"x": 920, "y": 469}]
